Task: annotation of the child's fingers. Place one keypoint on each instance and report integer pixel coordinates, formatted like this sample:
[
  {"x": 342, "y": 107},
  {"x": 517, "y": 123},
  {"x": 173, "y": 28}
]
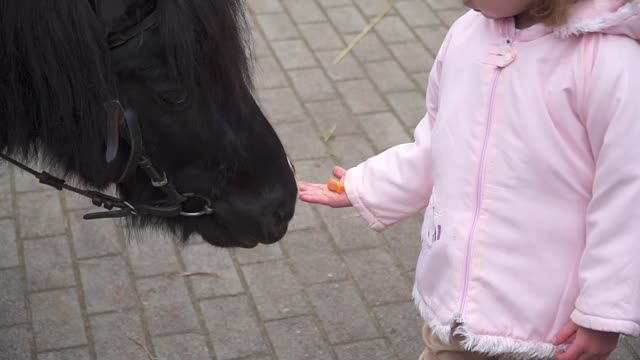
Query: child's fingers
[
  {"x": 339, "y": 172},
  {"x": 314, "y": 198},
  {"x": 565, "y": 333},
  {"x": 307, "y": 186}
]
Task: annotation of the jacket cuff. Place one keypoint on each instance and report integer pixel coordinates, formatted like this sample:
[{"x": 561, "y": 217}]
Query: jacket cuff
[
  {"x": 353, "y": 185},
  {"x": 625, "y": 327}
]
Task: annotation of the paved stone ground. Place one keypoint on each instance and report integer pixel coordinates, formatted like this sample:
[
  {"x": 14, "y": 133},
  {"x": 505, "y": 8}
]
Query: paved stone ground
[{"x": 331, "y": 289}]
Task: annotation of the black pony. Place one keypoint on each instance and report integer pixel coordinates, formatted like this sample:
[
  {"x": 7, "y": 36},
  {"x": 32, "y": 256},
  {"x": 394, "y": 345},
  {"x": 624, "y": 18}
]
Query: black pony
[{"x": 182, "y": 69}]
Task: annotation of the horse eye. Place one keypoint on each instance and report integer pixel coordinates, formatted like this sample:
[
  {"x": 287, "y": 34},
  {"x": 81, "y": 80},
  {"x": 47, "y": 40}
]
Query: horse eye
[{"x": 173, "y": 99}]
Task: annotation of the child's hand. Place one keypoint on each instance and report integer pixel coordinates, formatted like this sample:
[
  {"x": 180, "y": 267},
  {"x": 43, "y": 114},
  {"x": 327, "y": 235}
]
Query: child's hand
[
  {"x": 588, "y": 344},
  {"x": 320, "y": 194}
]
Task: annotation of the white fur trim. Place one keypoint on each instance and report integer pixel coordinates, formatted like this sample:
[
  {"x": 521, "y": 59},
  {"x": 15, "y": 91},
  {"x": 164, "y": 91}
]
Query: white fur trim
[
  {"x": 501, "y": 346},
  {"x": 597, "y": 24}
]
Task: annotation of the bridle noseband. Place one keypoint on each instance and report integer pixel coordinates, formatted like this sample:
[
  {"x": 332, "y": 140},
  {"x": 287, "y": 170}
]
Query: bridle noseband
[{"x": 123, "y": 125}]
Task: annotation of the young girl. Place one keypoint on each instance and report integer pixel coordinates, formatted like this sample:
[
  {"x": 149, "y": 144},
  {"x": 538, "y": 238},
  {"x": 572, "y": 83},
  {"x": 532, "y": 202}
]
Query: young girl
[{"x": 528, "y": 165}]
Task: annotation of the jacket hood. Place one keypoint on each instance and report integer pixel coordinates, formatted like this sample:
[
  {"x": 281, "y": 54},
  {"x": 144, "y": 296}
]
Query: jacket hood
[{"x": 616, "y": 17}]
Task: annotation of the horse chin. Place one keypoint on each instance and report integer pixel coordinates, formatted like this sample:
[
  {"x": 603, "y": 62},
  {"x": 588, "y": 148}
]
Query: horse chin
[{"x": 219, "y": 234}]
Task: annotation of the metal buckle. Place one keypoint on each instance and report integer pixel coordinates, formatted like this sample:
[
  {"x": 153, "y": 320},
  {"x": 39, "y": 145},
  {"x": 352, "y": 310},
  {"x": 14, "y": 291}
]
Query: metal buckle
[
  {"x": 162, "y": 182},
  {"x": 207, "y": 210}
]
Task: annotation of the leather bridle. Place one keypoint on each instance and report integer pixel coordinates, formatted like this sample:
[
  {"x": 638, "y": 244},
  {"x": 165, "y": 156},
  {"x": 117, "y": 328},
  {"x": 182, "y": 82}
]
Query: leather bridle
[{"x": 123, "y": 125}]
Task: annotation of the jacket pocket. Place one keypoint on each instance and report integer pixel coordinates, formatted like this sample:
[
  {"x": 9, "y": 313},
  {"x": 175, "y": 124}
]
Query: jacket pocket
[{"x": 431, "y": 227}]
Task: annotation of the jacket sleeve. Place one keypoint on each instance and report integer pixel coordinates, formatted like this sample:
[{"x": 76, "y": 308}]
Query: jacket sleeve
[
  {"x": 609, "y": 271},
  {"x": 397, "y": 183}
]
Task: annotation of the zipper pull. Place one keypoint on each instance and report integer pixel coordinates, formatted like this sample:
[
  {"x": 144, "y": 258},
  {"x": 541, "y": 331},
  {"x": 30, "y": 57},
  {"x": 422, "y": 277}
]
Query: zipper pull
[{"x": 457, "y": 320}]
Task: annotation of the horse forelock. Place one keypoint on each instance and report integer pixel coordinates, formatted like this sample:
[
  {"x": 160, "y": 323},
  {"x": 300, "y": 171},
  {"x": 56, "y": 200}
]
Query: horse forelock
[{"x": 208, "y": 41}]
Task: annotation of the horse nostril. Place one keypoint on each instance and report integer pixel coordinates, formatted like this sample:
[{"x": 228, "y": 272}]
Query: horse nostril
[{"x": 279, "y": 216}]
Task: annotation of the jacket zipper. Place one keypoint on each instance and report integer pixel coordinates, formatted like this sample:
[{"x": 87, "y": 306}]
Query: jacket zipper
[{"x": 458, "y": 319}]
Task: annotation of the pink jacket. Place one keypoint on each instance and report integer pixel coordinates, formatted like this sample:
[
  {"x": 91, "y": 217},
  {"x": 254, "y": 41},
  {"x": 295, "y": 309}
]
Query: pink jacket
[{"x": 527, "y": 166}]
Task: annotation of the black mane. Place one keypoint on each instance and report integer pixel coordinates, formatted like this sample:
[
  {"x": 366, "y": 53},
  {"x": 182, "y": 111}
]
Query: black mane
[
  {"x": 56, "y": 71},
  {"x": 207, "y": 41}
]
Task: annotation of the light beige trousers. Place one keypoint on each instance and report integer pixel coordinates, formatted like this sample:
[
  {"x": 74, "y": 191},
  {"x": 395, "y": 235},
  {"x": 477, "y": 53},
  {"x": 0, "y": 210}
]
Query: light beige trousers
[{"x": 437, "y": 350}]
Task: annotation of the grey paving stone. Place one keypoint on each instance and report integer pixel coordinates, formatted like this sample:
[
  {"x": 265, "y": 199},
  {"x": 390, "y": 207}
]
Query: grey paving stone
[
  {"x": 233, "y": 327},
  {"x": 410, "y": 107},
  {"x": 416, "y": 13},
  {"x": 264, "y": 6},
  {"x": 74, "y": 201},
  {"x": 432, "y": 37},
  {"x": 301, "y": 141},
  {"x": 322, "y": 36},
  {"x": 342, "y": 312},
  {"x": 48, "y": 263},
  {"x": 633, "y": 343},
  {"x": 385, "y": 130},
  {"x": 445, "y": 4},
  {"x": 347, "y": 19},
  {"x": 370, "y": 48},
  {"x": 304, "y": 217},
  {"x": 346, "y": 69},
  {"x": 313, "y": 257},
  {"x": 154, "y": 254},
  {"x": 12, "y": 298},
  {"x": 298, "y": 338},
  {"x": 333, "y": 114},
  {"x": 412, "y": 56},
  {"x": 421, "y": 80},
  {"x": 57, "y": 321},
  {"x": 392, "y": 29},
  {"x": 260, "y": 45},
  {"x": 623, "y": 352},
  {"x": 450, "y": 16},
  {"x": 115, "y": 336},
  {"x": 40, "y": 214},
  {"x": 206, "y": 258},
  {"x": 404, "y": 239},
  {"x": 371, "y": 349},
  {"x": 293, "y": 54},
  {"x": 371, "y": 8},
  {"x": 361, "y": 96},
  {"x": 106, "y": 284},
  {"x": 69, "y": 354},
  {"x": 348, "y": 229},
  {"x": 167, "y": 307},
  {"x": 259, "y": 253},
  {"x": 268, "y": 74},
  {"x": 378, "y": 277},
  {"x": 312, "y": 84},
  {"x": 281, "y": 105},
  {"x": 182, "y": 347},
  {"x": 389, "y": 76},
  {"x": 27, "y": 182},
  {"x": 15, "y": 343},
  {"x": 304, "y": 11},
  {"x": 402, "y": 325},
  {"x": 6, "y": 205},
  {"x": 351, "y": 150},
  {"x": 275, "y": 290},
  {"x": 316, "y": 170},
  {"x": 334, "y": 3},
  {"x": 277, "y": 26},
  {"x": 9, "y": 253},
  {"x": 5, "y": 178},
  {"x": 93, "y": 237}
]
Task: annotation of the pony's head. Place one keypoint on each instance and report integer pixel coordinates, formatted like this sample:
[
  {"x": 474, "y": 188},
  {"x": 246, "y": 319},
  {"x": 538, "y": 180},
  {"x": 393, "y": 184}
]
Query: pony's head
[{"x": 186, "y": 74}]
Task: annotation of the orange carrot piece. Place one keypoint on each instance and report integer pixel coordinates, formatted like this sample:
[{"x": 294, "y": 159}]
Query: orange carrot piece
[{"x": 335, "y": 186}]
